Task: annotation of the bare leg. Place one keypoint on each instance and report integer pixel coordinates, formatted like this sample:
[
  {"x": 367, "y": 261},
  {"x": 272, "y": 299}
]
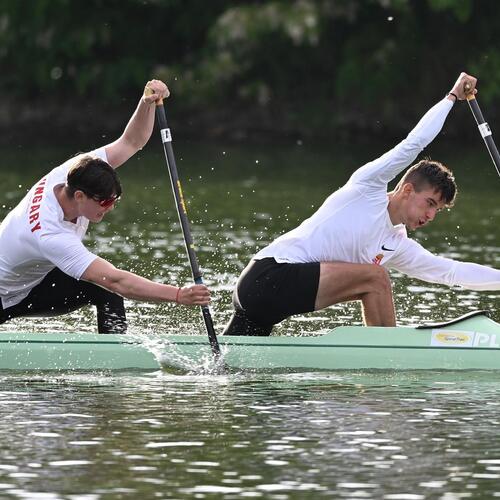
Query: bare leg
[{"x": 344, "y": 282}]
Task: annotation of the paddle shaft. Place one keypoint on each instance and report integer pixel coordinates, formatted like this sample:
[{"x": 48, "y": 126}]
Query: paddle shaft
[
  {"x": 485, "y": 131},
  {"x": 166, "y": 139}
]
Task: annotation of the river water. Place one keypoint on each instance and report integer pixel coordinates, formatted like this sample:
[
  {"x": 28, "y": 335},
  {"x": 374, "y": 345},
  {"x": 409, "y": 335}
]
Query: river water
[{"x": 295, "y": 435}]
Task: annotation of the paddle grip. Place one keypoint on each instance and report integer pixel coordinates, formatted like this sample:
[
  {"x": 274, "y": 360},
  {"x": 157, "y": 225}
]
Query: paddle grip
[{"x": 149, "y": 91}]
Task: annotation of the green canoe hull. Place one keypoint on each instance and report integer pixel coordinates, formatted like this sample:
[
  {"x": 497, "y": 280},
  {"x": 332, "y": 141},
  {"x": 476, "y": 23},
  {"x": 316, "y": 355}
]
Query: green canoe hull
[{"x": 472, "y": 343}]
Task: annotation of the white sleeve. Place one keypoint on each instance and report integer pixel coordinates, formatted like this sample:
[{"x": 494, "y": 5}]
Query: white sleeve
[
  {"x": 67, "y": 253},
  {"x": 100, "y": 153},
  {"x": 69, "y": 164},
  {"x": 379, "y": 172},
  {"x": 414, "y": 260}
]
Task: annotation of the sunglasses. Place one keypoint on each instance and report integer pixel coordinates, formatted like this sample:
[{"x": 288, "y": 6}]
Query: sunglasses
[
  {"x": 104, "y": 203},
  {"x": 107, "y": 202}
]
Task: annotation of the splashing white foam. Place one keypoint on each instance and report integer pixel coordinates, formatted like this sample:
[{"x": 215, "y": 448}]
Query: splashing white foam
[
  {"x": 204, "y": 363},
  {"x": 172, "y": 360}
]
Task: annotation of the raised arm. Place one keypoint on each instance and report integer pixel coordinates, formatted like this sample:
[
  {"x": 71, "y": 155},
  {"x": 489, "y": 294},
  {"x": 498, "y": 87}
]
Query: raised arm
[
  {"x": 139, "y": 128},
  {"x": 381, "y": 171},
  {"x": 129, "y": 285}
]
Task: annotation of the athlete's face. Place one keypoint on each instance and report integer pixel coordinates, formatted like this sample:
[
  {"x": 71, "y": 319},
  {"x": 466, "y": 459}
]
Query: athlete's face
[
  {"x": 94, "y": 210},
  {"x": 421, "y": 207}
]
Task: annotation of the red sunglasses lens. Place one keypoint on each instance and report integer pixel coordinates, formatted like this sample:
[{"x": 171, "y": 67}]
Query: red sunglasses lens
[{"x": 107, "y": 203}]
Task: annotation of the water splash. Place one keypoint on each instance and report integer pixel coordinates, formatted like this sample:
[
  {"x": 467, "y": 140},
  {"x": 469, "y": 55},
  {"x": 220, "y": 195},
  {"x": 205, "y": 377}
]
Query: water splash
[
  {"x": 173, "y": 361},
  {"x": 200, "y": 361}
]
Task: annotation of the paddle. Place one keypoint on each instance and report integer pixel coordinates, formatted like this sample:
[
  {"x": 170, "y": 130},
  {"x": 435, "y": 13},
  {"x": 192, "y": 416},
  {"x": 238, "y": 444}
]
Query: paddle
[
  {"x": 484, "y": 128},
  {"x": 166, "y": 139}
]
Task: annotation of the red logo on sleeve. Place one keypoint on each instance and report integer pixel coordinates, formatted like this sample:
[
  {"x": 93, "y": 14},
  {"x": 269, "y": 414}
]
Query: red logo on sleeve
[{"x": 34, "y": 210}]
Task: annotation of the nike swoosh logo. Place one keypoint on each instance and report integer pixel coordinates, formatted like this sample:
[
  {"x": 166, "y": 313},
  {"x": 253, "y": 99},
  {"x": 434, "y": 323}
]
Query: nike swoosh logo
[{"x": 388, "y": 249}]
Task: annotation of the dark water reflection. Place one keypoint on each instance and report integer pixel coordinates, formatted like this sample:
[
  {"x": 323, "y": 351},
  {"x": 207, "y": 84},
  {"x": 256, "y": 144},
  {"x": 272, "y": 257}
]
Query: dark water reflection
[
  {"x": 301, "y": 435},
  {"x": 353, "y": 435}
]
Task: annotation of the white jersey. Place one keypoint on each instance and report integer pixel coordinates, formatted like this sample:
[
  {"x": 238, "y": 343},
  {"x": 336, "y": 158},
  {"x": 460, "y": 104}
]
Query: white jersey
[
  {"x": 35, "y": 238},
  {"x": 353, "y": 224}
]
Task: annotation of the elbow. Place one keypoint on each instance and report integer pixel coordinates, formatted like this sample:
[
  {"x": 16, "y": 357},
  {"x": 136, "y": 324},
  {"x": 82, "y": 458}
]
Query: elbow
[
  {"x": 110, "y": 283},
  {"x": 133, "y": 145},
  {"x": 415, "y": 143},
  {"x": 113, "y": 281}
]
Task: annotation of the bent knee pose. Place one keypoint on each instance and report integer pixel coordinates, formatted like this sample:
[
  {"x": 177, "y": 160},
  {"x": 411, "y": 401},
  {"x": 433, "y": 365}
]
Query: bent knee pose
[
  {"x": 343, "y": 251},
  {"x": 46, "y": 270}
]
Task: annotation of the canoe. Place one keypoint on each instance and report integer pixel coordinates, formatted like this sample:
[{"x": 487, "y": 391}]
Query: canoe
[{"x": 471, "y": 342}]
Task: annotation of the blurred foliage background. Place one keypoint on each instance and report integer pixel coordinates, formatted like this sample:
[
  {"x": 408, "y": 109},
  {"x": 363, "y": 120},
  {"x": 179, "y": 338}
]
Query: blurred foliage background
[{"x": 238, "y": 68}]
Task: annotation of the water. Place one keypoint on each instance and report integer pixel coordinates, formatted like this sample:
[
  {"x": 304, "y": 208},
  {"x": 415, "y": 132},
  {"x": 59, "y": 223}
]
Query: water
[
  {"x": 303, "y": 435},
  {"x": 297, "y": 435}
]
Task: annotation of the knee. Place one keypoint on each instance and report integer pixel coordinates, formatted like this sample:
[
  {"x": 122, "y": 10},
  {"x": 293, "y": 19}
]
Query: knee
[
  {"x": 380, "y": 280},
  {"x": 102, "y": 297},
  {"x": 114, "y": 300}
]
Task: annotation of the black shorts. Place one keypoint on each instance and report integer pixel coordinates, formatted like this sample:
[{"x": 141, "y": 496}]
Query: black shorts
[
  {"x": 267, "y": 292},
  {"x": 59, "y": 293}
]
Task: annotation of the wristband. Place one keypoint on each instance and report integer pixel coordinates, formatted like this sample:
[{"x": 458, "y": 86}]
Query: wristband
[
  {"x": 453, "y": 94},
  {"x": 177, "y": 295}
]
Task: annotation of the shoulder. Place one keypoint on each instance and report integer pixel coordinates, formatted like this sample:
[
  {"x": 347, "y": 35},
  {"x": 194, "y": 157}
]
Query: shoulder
[{"x": 63, "y": 169}]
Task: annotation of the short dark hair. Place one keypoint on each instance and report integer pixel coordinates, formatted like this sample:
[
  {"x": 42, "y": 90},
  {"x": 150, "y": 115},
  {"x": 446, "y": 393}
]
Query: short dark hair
[
  {"x": 428, "y": 173},
  {"x": 95, "y": 178}
]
